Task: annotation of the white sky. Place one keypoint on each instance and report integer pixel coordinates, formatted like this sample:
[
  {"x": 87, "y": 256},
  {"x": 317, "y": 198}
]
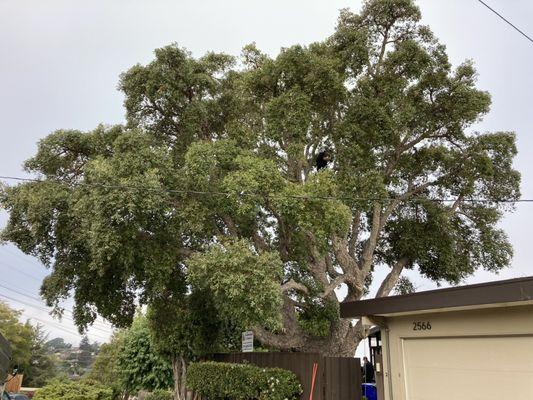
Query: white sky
[{"x": 60, "y": 61}]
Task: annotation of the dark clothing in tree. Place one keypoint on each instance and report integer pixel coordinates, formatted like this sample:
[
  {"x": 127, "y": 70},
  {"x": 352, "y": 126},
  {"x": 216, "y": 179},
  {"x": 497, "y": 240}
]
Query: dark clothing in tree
[{"x": 322, "y": 160}]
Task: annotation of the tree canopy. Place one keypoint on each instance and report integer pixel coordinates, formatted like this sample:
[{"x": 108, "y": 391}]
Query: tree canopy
[
  {"x": 214, "y": 177},
  {"x": 19, "y": 335},
  {"x": 42, "y": 366},
  {"x": 30, "y": 355}
]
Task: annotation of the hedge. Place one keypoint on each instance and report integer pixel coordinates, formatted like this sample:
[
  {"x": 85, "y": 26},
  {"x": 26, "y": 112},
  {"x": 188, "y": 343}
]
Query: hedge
[
  {"x": 69, "y": 390},
  {"x": 225, "y": 381}
]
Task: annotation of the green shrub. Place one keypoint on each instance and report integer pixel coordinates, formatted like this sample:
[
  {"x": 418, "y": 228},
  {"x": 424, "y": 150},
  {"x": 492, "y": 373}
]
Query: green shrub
[
  {"x": 219, "y": 381},
  {"x": 69, "y": 390},
  {"x": 159, "y": 395}
]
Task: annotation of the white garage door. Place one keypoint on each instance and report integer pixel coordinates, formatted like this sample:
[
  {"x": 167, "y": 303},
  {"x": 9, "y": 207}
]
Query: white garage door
[{"x": 493, "y": 368}]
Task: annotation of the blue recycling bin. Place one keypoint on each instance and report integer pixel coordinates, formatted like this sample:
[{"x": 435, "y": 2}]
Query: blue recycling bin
[{"x": 370, "y": 391}]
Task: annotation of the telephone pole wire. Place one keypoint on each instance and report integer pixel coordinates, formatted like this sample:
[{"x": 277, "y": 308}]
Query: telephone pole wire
[{"x": 507, "y": 21}]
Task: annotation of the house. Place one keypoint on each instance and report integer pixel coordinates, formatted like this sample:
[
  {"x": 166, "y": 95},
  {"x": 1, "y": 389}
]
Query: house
[{"x": 468, "y": 342}]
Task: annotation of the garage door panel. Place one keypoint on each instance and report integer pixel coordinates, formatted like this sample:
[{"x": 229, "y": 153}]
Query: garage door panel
[{"x": 468, "y": 368}]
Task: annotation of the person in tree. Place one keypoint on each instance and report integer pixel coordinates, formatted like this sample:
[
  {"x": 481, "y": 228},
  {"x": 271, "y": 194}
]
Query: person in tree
[{"x": 323, "y": 159}]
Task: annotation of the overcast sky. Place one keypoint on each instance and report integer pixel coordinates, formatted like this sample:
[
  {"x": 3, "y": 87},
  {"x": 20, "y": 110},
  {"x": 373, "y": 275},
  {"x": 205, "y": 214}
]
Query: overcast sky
[{"x": 60, "y": 61}]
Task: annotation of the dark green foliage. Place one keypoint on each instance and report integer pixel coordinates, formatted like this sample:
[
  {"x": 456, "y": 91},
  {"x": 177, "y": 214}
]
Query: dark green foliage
[
  {"x": 69, "y": 390},
  {"x": 224, "y": 381},
  {"x": 105, "y": 369},
  {"x": 404, "y": 286},
  {"x": 29, "y": 350},
  {"x": 57, "y": 345},
  {"x": 87, "y": 353},
  {"x": 316, "y": 319},
  {"x": 19, "y": 335},
  {"x": 43, "y": 365},
  {"x": 159, "y": 395},
  {"x": 189, "y": 326},
  {"x": 141, "y": 368}
]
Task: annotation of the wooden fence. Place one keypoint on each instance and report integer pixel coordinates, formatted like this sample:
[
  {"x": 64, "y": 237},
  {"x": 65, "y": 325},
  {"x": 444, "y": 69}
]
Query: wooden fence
[{"x": 336, "y": 379}]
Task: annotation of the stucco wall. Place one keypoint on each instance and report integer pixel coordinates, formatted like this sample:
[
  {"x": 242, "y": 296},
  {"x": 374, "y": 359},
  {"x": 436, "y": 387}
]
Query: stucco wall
[{"x": 501, "y": 321}]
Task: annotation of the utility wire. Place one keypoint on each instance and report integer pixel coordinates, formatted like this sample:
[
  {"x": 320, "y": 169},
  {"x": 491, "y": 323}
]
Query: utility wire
[
  {"x": 61, "y": 328},
  {"x": 26, "y": 260},
  {"x": 106, "y": 331},
  {"x": 22, "y": 272},
  {"x": 50, "y": 324},
  {"x": 29, "y": 295},
  {"x": 45, "y": 310},
  {"x": 255, "y": 194},
  {"x": 507, "y": 21},
  {"x": 40, "y": 266},
  {"x": 22, "y": 293}
]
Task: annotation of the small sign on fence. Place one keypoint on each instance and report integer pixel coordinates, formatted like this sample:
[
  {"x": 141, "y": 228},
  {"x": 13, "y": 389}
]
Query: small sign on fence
[{"x": 248, "y": 342}]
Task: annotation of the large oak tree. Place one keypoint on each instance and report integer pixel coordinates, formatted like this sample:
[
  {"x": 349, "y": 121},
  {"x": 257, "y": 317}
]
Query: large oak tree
[{"x": 214, "y": 176}]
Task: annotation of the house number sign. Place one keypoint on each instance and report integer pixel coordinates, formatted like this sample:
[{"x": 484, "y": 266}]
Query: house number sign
[{"x": 421, "y": 326}]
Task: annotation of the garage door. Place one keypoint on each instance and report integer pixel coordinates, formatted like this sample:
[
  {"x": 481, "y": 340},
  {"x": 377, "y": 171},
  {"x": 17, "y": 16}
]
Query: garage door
[{"x": 492, "y": 368}]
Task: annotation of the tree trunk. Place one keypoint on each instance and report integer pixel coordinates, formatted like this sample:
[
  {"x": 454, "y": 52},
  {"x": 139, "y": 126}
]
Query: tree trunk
[
  {"x": 342, "y": 340},
  {"x": 179, "y": 373}
]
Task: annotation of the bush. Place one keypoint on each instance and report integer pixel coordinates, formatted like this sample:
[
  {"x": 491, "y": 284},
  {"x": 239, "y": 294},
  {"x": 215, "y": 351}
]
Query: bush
[
  {"x": 218, "y": 381},
  {"x": 68, "y": 390},
  {"x": 159, "y": 395}
]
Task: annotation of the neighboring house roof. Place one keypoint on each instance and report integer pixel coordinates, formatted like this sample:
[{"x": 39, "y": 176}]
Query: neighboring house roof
[{"x": 500, "y": 293}]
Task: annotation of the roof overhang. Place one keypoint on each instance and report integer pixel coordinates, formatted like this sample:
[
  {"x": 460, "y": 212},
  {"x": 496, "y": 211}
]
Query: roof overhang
[{"x": 512, "y": 292}]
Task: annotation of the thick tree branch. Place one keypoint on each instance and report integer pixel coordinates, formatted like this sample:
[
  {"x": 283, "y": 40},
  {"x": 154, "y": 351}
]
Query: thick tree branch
[
  {"x": 371, "y": 242},
  {"x": 291, "y": 337},
  {"x": 383, "y": 48},
  {"x": 456, "y": 204},
  {"x": 332, "y": 272},
  {"x": 293, "y": 285},
  {"x": 347, "y": 263},
  {"x": 283, "y": 237},
  {"x": 230, "y": 224},
  {"x": 334, "y": 284},
  {"x": 392, "y": 278},
  {"x": 354, "y": 234},
  {"x": 185, "y": 252},
  {"x": 317, "y": 262},
  {"x": 259, "y": 241}
]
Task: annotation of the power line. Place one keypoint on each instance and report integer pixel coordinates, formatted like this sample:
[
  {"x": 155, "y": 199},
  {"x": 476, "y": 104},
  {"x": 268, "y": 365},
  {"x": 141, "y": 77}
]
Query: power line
[
  {"x": 61, "y": 328},
  {"x": 33, "y": 264},
  {"x": 58, "y": 325},
  {"x": 45, "y": 310},
  {"x": 22, "y": 293},
  {"x": 12, "y": 288},
  {"x": 107, "y": 332},
  {"x": 507, "y": 21},
  {"x": 22, "y": 272},
  {"x": 256, "y": 194},
  {"x": 27, "y": 294}
]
